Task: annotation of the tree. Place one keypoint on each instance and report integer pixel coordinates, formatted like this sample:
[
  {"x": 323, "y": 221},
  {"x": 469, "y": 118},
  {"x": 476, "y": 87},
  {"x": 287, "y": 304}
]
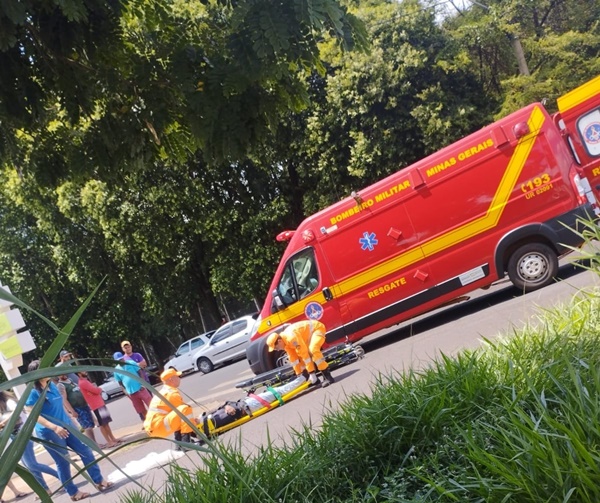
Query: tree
[
  {"x": 108, "y": 129},
  {"x": 141, "y": 77},
  {"x": 558, "y": 43}
]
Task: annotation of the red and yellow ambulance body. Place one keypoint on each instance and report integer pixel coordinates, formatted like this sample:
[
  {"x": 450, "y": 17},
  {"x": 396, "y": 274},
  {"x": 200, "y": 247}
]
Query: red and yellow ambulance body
[{"x": 504, "y": 200}]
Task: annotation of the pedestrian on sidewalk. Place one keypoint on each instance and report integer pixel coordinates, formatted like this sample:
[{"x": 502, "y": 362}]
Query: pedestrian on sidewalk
[
  {"x": 52, "y": 426},
  {"x": 8, "y": 404},
  {"x": 15, "y": 490},
  {"x": 78, "y": 407},
  {"x": 138, "y": 358},
  {"x": 140, "y": 397},
  {"x": 66, "y": 359},
  {"x": 93, "y": 397}
]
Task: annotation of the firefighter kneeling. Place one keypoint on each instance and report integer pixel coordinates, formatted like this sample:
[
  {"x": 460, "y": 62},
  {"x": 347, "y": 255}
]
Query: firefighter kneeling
[
  {"x": 302, "y": 342},
  {"x": 161, "y": 419}
]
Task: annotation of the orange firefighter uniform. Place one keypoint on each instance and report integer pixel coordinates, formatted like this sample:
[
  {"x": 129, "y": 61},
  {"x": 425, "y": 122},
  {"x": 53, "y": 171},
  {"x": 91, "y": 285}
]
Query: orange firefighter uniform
[
  {"x": 161, "y": 420},
  {"x": 303, "y": 341}
]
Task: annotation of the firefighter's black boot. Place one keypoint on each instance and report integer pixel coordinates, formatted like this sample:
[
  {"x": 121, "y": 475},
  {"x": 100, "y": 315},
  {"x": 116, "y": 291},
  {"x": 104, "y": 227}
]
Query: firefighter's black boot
[
  {"x": 187, "y": 438},
  {"x": 327, "y": 378},
  {"x": 177, "y": 437}
]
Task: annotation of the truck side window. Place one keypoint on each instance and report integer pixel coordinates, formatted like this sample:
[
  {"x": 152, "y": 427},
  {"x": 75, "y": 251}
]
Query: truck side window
[
  {"x": 588, "y": 126},
  {"x": 300, "y": 277}
]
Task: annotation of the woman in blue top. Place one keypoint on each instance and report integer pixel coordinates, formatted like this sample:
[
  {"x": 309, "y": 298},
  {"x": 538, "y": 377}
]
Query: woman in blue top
[{"x": 51, "y": 427}]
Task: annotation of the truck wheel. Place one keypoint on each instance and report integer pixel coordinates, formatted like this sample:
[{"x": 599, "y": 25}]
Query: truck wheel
[
  {"x": 204, "y": 365},
  {"x": 282, "y": 358},
  {"x": 259, "y": 358},
  {"x": 532, "y": 266}
]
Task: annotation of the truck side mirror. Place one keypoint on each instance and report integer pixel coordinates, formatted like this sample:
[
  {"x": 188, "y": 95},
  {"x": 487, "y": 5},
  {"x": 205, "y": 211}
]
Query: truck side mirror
[{"x": 278, "y": 303}]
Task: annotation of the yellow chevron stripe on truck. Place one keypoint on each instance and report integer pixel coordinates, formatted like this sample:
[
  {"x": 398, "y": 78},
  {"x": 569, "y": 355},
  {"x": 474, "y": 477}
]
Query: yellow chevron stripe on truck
[
  {"x": 578, "y": 95},
  {"x": 455, "y": 236},
  {"x": 507, "y": 184},
  {"x": 488, "y": 221}
]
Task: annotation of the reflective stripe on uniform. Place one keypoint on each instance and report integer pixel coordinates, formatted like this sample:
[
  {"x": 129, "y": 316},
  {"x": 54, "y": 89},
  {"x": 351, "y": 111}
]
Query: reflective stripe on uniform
[
  {"x": 319, "y": 361},
  {"x": 158, "y": 411},
  {"x": 295, "y": 362},
  {"x": 307, "y": 360}
]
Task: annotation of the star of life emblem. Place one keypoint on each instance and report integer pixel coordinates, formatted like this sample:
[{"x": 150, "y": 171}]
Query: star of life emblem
[{"x": 368, "y": 241}]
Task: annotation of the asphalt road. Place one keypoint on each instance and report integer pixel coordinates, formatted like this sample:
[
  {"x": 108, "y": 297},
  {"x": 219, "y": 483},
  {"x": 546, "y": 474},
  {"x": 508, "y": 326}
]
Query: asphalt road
[{"x": 486, "y": 315}]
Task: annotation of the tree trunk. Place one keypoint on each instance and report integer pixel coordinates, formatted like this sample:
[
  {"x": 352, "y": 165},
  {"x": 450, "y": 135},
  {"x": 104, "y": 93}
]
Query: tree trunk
[{"x": 519, "y": 54}]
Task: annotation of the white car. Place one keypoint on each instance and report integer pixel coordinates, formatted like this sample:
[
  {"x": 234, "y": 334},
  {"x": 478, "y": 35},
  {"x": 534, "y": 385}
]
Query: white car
[
  {"x": 110, "y": 388},
  {"x": 202, "y": 353}
]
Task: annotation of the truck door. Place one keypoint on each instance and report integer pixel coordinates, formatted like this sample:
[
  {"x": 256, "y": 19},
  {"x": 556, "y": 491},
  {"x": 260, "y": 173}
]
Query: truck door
[
  {"x": 303, "y": 292},
  {"x": 376, "y": 264}
]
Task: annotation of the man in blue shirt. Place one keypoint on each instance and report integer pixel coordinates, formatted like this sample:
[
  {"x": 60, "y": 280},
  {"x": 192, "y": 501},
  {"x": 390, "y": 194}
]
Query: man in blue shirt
[
  {"x": 53, "y": 426},
  {"x": 140, "y": 397}
]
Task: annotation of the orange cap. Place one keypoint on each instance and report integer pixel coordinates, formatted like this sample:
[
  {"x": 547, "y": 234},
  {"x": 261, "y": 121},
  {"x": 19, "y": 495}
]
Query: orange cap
[
  {"x": 272, "y": 340},
  {"x": 169, "y": 373}
]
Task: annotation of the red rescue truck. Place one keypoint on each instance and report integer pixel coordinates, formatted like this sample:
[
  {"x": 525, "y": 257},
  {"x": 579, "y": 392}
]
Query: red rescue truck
[{"x": 505, "y": 200}]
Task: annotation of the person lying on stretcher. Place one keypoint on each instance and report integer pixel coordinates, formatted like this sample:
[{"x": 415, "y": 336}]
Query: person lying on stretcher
[
  {"x": 231, "y": 411},
  {"x": 162, "y": 420}
]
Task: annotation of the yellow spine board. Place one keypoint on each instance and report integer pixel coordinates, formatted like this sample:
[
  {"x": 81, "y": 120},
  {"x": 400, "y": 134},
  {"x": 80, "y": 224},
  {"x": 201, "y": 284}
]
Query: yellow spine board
[{"x": 259, "y": 412}]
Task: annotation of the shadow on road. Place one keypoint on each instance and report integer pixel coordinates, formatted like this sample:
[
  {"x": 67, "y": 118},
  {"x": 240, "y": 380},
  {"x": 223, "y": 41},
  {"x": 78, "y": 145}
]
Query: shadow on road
[{"x": 448, "y": 314}]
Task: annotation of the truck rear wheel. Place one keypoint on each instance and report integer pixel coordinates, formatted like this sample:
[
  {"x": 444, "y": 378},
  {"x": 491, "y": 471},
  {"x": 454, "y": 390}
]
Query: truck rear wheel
[
  {"x": 259, "y": 358},
  {"x": 532, "y": 266}
]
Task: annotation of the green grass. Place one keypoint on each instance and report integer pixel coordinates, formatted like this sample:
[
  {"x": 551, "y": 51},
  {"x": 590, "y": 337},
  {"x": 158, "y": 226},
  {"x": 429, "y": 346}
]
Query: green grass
[{"x": 517, "y": 420}]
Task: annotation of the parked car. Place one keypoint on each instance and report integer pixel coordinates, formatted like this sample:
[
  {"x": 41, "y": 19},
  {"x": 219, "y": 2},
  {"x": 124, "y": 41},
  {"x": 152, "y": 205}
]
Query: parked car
[
  {"x": 203, "y": 353},
  {"x": 110, "y": 388},
  {"x": 183, "y": 358}
]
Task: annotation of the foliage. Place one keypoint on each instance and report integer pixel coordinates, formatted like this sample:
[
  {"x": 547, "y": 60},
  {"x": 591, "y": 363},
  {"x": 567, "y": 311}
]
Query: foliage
[
  {"x": 137, "y": 76},
  {"x": 375, "y": 113},
  {"x": 558, "y": 40},
  {"x": 124, "y": 145}
]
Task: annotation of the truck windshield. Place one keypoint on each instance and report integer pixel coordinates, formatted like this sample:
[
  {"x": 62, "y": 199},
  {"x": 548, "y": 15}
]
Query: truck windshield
[{"x": 300, "y": 277}]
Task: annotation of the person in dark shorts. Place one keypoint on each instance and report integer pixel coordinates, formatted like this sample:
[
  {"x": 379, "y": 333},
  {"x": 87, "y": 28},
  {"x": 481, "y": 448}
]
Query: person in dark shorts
[
  {"x": 77, "y": 406},
  {"x": 93, "y": 397}
]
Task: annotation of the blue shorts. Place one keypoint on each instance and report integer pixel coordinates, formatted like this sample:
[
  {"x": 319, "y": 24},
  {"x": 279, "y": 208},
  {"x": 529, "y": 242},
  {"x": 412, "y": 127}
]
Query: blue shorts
[{"x": 84, "y": 417}]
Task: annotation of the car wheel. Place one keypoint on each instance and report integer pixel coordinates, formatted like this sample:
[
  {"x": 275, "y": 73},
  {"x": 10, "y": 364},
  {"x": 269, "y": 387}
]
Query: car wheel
[
  {"x": 204, "y": 365},
  {"x": 532, "y": 266},
  {"x": 105, "y": 396}
]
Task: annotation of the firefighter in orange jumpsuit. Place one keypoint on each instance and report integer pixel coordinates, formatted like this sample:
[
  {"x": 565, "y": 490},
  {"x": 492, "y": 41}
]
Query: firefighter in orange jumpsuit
[
  {"x": 161, "y": 420},
  {"x": 302, "y": 342}
]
